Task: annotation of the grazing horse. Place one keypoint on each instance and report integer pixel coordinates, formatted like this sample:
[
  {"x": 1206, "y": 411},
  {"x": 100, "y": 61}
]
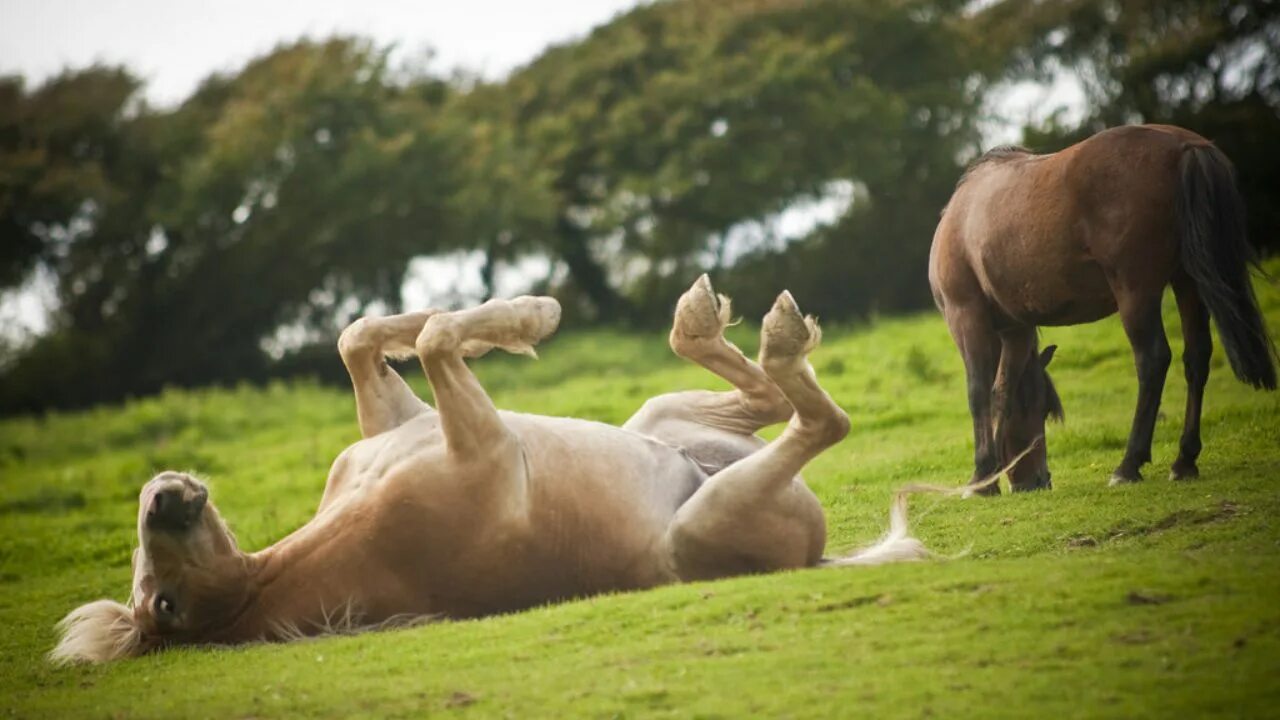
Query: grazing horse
[
  {"x": 1072, "y": 237},
  {"x": 463, "y": 510}
]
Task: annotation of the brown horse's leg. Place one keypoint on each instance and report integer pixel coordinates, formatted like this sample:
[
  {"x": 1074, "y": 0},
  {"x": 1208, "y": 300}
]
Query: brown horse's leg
[
  {"x": 1198, "y": 348},
  {"x": 1142, "y": 323},
  {"x": 980, "y": 348}
]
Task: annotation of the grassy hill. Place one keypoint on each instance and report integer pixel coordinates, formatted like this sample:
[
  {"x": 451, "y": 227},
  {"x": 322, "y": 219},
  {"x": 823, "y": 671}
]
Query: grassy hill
[{"x": 1150, "y": 600}]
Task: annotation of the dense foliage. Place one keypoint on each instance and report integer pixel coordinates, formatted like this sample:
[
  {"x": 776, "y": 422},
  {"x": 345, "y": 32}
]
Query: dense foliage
[{"x": 195, "y": 244}]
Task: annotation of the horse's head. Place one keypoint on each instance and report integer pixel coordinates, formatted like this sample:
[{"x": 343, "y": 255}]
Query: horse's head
[
  {"x": 188, "y": 579},
  {"x": 1035, "y": 401}
]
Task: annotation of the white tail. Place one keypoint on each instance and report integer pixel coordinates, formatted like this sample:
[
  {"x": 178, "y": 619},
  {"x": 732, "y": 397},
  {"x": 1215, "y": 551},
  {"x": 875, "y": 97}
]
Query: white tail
[{"x": 897, "y": 545}]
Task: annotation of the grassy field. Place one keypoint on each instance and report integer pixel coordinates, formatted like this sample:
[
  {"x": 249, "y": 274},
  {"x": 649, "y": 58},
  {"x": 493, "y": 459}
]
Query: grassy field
[{"x": 1154, "y": 600}]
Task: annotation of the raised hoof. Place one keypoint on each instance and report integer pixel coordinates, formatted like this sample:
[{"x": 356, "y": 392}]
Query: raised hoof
[
  {"x": 785, "y": 334},
  {"x": 1118, "y": 479},
  {"x": 1184, "y": 472},
  {"x": 701, "y": 317},
  {"x": 541, "y": 317}
]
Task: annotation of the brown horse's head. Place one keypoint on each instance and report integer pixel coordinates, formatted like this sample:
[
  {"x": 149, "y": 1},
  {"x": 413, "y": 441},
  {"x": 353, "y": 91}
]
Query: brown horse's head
[
  {"x": 188, "y": 578},
  {"x": 1035, "y": 401}
]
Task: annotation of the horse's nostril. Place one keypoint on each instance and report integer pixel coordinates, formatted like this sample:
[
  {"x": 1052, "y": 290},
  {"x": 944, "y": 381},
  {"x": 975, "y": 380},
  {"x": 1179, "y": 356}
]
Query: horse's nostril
[{"x": 171, "y": 510}]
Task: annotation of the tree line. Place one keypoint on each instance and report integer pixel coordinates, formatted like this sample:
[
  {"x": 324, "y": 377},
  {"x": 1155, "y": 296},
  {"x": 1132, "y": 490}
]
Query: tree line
[{"x": 294, "y": 192}]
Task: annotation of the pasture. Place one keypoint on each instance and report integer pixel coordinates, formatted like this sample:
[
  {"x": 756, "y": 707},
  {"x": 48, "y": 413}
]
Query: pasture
[{"x": 1148, "y": 600}]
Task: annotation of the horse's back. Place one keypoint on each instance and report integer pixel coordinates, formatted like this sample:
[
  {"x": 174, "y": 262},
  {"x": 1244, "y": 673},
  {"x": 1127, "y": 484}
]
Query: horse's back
[{"x": 1044, "y": 239}]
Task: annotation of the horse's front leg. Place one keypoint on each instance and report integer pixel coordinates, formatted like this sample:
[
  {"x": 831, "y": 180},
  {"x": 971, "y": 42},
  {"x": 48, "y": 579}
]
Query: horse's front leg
[
  {"x": 475, "y": 435},
  {"x": 980, "y": 349},
  {"x": 383, "y": 400}
]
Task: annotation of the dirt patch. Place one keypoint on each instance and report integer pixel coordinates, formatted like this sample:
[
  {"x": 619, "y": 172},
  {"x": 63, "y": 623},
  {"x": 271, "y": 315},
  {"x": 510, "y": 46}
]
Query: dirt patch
[
  {"x": 880, "y": 600},
  {"x": 1146, "y": 597},
  {"x": 458, "y": 699},
  {"x": 1224, "y": 510}
]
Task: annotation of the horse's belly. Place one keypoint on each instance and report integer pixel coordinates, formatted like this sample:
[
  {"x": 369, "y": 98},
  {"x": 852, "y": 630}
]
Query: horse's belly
[
  {"x": 1071, "y": 296},
  {"x": 594, "y": 505},
  {"x": 1039, "y": 276},
  {"x": 600, "y": 505}
]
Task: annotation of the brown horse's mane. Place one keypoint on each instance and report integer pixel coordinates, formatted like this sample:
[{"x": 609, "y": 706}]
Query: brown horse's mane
[
  {"x": 1025, "y": 394},
  {"x": 999, "y": 153}
]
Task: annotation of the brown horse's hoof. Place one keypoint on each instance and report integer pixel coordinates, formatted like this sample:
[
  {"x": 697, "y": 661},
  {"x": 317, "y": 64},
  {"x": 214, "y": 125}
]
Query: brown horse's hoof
[
  {"x": 1118, "y": 479},
  {"x": 1182, "y": 471}
]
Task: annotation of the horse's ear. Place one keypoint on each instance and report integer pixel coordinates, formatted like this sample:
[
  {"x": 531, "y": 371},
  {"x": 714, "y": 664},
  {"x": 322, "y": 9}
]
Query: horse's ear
[
  {"x": 1046, "y": 356},
  {"x": 100, "y": 631}
]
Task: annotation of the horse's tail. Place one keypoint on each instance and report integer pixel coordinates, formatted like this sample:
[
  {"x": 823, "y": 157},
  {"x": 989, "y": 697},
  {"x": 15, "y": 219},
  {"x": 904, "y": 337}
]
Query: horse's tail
[
  {"x": 1217, "y": 255},
  {"x": 897, "y": 545}
]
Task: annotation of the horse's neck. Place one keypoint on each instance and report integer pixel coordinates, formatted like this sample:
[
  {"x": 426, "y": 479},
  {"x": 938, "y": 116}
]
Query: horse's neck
[{"x": 309, "y": 583}]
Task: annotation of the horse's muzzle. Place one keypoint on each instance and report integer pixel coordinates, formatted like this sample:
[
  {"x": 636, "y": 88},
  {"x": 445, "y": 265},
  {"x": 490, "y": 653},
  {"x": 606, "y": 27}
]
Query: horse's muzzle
[{"x": 174, "y": 502}]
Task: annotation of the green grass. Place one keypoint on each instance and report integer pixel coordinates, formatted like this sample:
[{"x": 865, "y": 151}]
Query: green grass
[{"x": 1158, "y": 599}]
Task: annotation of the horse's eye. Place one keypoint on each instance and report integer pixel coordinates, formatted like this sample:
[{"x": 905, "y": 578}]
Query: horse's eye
[{"x": 164, "y": 605}]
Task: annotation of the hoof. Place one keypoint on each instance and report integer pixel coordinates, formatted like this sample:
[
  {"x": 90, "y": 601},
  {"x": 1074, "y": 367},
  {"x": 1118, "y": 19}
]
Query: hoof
[
  {"x": 1118, "y": 479},
  {"x": 1184, "y": 472},
  {"x": 541, "y": 317},
  {"x": 701, "y": 316},
  {"x": 785, "y": 334}
]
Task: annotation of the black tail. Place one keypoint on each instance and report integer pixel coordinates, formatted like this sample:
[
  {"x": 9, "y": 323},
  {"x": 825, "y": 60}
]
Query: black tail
[{"x": 1217, "y": 255}]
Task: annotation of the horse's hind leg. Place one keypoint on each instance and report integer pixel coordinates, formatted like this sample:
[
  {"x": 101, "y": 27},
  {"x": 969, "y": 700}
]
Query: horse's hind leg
[
  {"x": 383, "y": 400},
  {"x": 1197, "y": 350},
  {"x": 697, "y": 334},
  {"x": 1140, "y": 314},
  {"x": 756, "y": 515}
]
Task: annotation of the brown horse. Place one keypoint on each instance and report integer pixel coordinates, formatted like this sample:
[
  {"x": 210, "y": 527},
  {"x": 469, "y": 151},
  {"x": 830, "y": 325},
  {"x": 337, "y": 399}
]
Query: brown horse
[{"x": 1072, "y": 237}]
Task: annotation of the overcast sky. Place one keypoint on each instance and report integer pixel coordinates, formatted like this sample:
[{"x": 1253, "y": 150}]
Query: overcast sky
[{"x": 174, "y": 44}]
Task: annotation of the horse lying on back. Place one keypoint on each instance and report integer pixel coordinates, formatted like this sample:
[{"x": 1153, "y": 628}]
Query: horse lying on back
[
  {"x": 463, "y": 510},
  {"x": 1101, "y": 227}
]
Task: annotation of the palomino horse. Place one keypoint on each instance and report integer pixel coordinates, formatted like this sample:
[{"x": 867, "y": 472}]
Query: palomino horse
[
  {"x": 464, "y": 510},
  {"x": 1072, "y": 237}
]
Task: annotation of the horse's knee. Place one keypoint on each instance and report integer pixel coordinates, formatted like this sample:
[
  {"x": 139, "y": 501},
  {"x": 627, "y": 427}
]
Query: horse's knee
[
  {"x": 829, "y": 429},
  {"x": 355, "y": 338},
  {"x": 440, "y": 335},
  {"x": 1195, "y": 361}
]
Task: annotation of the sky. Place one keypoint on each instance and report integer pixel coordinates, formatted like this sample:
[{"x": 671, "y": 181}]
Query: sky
[{"x": 174, "y": 44}]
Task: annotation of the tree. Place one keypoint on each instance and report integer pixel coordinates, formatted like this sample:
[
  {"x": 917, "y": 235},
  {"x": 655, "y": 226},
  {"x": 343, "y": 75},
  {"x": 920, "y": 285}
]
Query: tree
[
  {"x": 679, "y": 121},
  {"x": 291, "y": 194},
  {"x": 1209, "y": 65}
]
